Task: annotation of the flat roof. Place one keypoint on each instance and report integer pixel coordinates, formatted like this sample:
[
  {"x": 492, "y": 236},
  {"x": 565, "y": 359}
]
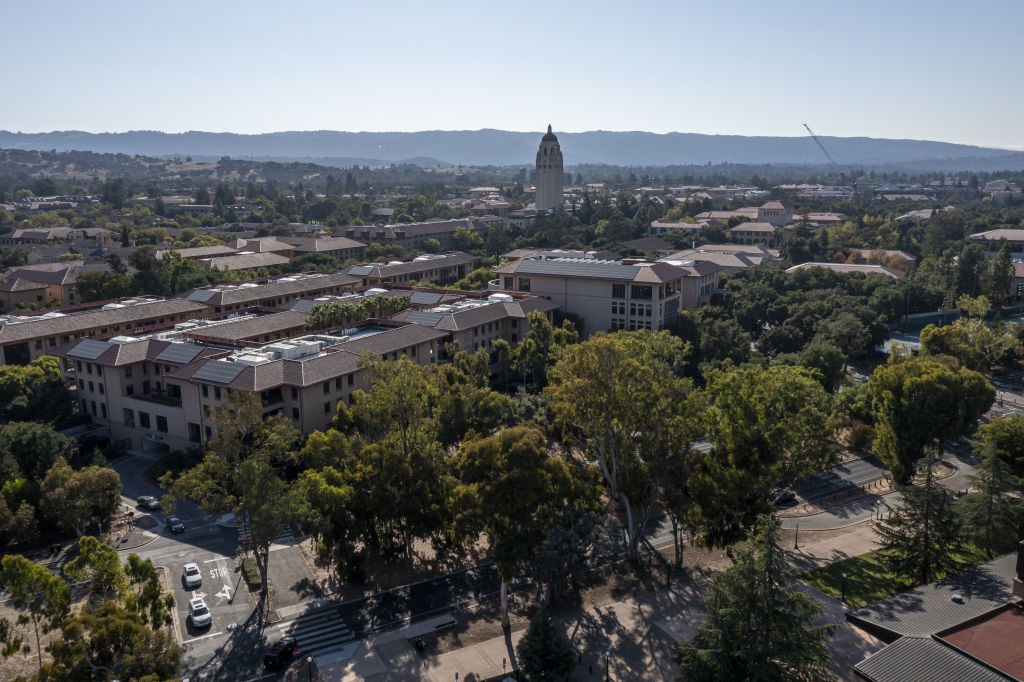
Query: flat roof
[
  {"x": 240, "y": 330},
  {"x": 994, "y": 639}
]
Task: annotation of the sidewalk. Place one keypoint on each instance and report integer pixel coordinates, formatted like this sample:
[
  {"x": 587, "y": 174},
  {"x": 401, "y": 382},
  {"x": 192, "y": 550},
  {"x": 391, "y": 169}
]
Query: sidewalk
[{"x": 638, "y": 634}]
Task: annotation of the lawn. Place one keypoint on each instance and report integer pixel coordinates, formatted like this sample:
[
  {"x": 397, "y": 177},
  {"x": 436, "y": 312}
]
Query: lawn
[{"x": 867, "y": 579}]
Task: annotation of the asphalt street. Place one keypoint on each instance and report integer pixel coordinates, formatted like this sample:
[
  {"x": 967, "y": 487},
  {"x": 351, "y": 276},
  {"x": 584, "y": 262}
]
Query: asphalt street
[
  {"x": 230, "y": 648},
  {"x": 849, "y": 474}
]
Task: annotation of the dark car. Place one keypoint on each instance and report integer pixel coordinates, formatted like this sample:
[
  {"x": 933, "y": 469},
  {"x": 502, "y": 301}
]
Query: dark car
[
  {"x": 149, "y": 502},
  {"x": 281, "y": 652},
  {"x": 175, "y": 525},
  {"x": 780, "y": 496}
]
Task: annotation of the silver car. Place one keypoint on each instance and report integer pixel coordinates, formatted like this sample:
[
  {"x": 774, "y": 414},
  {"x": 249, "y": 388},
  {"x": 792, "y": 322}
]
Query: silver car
[
  {"x": 199, "y": 614},
  {"x": 192, "y": 576}
]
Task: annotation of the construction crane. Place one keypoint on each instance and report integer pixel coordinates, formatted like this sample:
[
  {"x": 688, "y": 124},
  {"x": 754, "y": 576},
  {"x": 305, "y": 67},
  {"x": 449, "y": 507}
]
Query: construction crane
[{"x": 822, "y": 146}]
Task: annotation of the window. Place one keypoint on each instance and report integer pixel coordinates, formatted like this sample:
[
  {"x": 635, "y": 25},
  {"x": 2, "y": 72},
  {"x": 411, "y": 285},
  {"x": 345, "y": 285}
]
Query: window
[
  {"x": 295, "y": 394},
  {"x": 39, "y": 344},
  {"x": 144, "y": 420},
  {"x": 129, "y": 417},
  {"x": 103, "y": 410},
  {"x": 641, "y": 292},
  {"x": 524, "y": 284},
  {"x": 129, "y": 390},
  {"x": 327, "y": 407},
  {"x": 101, "y": 388},
  {"x": 351, "y": 379},
  {"x": 92, "y": 387},
  {"x": 327, "y": 387},
  {"x": 206, "y": 391},
  {"x": 337, "y": 384},
  {"x": 88, "y": 368},
  {"x": 508, "y": 283},
  {"x": 145, "y": 368},
  {"x": 295, "y": 413},
  {"x": 128, "y": 372},
  {"x": 84, "y": 405},
  {"x": 93, "y": 407},
  {"x": 78, "y": 365},
  {"x": 208, "y": 431},
  {"x": 145, "y": 387},
  {"x": 216, "y": 392},
  {"x": 81, "y": 384},
  {"x": 161, "y": 423},
  {"x": 193, "y": 432},
  {"x": 618, "y": 291}
]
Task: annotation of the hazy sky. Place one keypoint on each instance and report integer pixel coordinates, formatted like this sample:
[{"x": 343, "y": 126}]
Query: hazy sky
[{"x": 940, "y": 70}]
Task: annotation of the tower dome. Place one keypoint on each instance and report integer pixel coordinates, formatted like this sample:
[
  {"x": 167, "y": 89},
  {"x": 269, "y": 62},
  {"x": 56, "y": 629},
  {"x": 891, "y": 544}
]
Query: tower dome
[{"x": 550, "y": 136}]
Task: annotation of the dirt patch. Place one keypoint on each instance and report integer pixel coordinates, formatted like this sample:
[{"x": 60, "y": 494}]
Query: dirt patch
[{"x": 26, "y": 664}]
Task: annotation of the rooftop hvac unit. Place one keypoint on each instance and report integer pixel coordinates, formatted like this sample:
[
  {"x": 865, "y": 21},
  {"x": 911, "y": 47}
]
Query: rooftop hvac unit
[
  {"x": 496, "y": 298},
  {"x": 288, "y": 351},
  {"x": 252, "y": 359},
  {"x": 182, "y": 326},
  {"x": 375, "y": 292},
  {"x": 248, "y": 285},
  {"x": 395, "y": 262},
  {"x": 112, "y": 306},
  {"x": 123, "y": 339},
  {"x": 51, "y": 315}
]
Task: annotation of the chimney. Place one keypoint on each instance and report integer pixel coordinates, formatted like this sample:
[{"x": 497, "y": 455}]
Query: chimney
[{"x": 1018, "y": 580}]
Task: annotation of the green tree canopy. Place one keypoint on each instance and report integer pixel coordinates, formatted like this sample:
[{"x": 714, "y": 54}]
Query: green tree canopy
[
  {"x": 920, "y": 403},
  {"x": 759, "y": 625}
]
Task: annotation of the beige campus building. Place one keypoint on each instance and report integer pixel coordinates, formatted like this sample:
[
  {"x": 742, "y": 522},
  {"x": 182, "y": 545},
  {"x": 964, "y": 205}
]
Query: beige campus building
[{"x": 611, "y": 295}]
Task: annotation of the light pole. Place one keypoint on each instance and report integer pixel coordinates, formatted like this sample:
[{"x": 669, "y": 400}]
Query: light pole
[
  {"x": 606, "y": 677},
  {"x": 309, "y": 669},
  {"x": 796, "y": 537},
  {"x": 668, "y": 574},
  {"x": 843, "y": 597}
]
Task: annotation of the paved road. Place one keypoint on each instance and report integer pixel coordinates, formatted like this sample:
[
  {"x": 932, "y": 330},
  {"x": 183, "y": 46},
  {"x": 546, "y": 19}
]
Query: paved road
[
  {"x": 850, "y": 474},
  {"x": 231, "y": 648}
]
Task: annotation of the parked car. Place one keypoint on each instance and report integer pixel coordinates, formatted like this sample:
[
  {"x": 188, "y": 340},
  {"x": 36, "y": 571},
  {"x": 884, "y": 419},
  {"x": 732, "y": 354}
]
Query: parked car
[
  {"x": 199, "y": 614},
  {"x": 175, "y": 525},
  {"x": 781, "y": 495},
  {"x": 280, "y": 653},
  {"x": 192, "y": 576},
  {"x": 149, "y": 502}
]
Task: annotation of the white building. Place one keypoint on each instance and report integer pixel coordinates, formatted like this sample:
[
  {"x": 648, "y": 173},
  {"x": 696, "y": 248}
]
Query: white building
[{"x": 549, "y": 173}]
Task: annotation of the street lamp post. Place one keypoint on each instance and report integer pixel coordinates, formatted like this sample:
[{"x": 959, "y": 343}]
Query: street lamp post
[
  {"x": 796, "y": 537},
  {"x": 606, "y": 677},
  {"x": 843, "y": 598},
  {"x": 668, "y": 574},
  {"x": 309, "y": 669}
]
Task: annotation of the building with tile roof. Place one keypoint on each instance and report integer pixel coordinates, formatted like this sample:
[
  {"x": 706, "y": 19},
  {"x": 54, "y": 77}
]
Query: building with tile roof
[
  {"x": 609, "y": 295},
  {"x": 274, "y": 292},
  {"x": 441, "y": 268},
  {"x": 411, "y": 235},
  {"x": 24, "y": 338},
  {"x": 851, "y": 267}
]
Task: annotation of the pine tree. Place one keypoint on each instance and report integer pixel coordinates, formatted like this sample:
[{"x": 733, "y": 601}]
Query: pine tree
[
  {"x": 759, "y": 626},
  {"x": 921, "y": 539},
  {"x": 991, "y": 518},
  {"x": 544, "y": 652}
]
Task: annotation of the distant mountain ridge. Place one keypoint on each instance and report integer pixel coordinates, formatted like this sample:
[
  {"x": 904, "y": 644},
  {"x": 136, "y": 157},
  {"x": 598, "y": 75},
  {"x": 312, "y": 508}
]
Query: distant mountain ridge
[{"x": 507, "y": 148}]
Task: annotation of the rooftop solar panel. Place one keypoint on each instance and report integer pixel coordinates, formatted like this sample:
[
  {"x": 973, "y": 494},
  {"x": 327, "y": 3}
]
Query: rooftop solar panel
[
  {"x": 303, "y": 305},
  {"x": 219, "y": 371},
  {"x": 89, "y": 349},
  {"x": 360, "y": 270},
  {"x": 424, "y": 298},
  {"x": 426, "y": 318},
  {"x": 179, "y": 353},
  {"x": 201, "y": 295}
]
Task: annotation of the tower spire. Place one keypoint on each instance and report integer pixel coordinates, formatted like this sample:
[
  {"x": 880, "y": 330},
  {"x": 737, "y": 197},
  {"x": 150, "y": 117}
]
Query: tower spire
[{"x": 549, "y": 128}]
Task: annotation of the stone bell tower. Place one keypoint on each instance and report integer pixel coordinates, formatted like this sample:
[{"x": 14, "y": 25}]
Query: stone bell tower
[{"x": 549, "y": 173}]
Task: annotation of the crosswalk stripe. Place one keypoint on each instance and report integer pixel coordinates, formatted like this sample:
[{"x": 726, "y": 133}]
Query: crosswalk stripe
[{"x": 319, "y": 631}]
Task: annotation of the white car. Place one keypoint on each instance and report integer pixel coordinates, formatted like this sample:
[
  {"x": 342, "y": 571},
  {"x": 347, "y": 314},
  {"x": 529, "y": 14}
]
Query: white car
[
  {"x": 199, "y": 614},
  {"x": 192, "y": 576}
]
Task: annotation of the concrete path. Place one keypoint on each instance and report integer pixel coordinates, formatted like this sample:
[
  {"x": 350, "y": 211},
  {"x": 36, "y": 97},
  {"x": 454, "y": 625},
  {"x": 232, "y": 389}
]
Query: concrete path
[{"x": 638, "y": 635}]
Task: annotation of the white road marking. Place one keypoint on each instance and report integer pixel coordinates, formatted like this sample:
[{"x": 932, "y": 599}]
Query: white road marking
[
  {"x": 210, "y": 561},
  {"x": 196, "y": 639},
  {"x": 225, "y": 593}
]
